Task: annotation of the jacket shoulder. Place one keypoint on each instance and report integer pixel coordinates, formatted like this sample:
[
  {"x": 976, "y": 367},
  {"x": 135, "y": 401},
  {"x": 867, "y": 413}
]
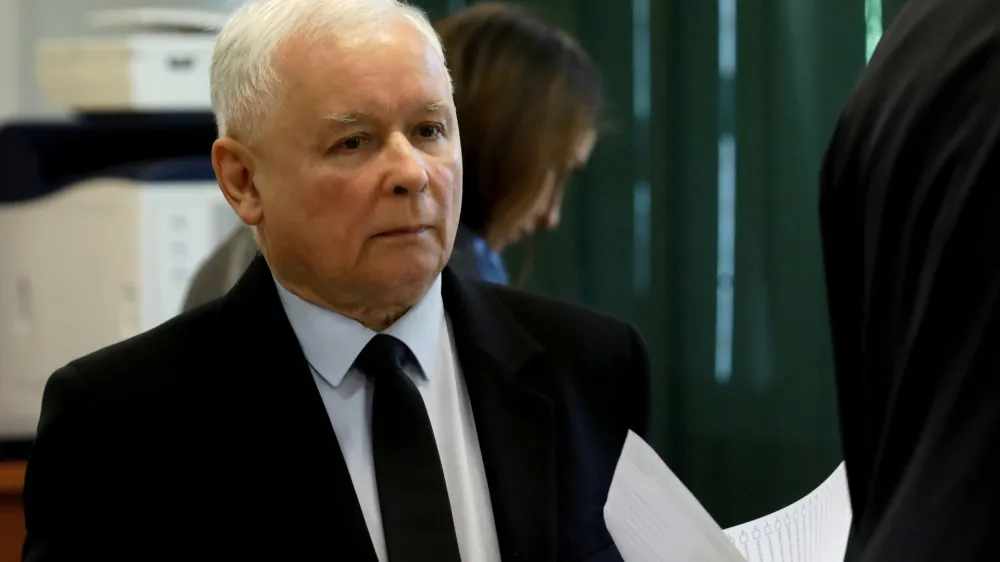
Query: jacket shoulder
[
  {"x": 607, "y": 354},
  {"x": 543, "y": 314},
  {"x": 152, "y": 359}
]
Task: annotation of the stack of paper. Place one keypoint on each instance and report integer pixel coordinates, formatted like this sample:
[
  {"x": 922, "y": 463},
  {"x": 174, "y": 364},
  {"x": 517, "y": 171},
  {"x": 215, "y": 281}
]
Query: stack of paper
[{"x": 653, "y": 517}]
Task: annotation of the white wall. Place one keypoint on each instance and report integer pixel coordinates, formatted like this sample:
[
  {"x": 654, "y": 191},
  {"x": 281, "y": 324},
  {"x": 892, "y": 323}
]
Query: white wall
[
  {"x": 8, "y": 58},
  {"x": 65, "y": 18}
]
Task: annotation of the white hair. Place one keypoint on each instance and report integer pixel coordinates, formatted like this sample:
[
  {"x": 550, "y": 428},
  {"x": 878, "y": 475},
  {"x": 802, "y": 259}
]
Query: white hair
[{"x": 244, "y": 81}]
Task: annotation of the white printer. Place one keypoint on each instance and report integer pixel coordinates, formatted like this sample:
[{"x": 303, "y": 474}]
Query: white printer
[
  {"x": 105, "y": 218},
  {"x": 144, "y": 59},
  {"x": 93, "y": 251}
]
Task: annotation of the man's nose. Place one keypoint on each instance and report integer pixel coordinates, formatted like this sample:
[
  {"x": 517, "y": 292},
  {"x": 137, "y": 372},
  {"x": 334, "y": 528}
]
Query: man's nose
[{"x": 408, "y": 168}]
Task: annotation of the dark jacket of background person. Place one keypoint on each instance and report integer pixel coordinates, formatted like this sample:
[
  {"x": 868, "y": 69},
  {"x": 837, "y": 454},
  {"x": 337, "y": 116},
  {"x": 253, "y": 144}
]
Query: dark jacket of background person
[{"x": 911, "y": 233}]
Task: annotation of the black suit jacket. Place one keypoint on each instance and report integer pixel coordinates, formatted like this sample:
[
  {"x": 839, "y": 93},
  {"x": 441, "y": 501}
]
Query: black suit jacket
[{"x": 206, "y": 438}]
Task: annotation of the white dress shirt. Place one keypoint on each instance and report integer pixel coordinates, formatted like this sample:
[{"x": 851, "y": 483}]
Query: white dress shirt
[{"x": 331, "y": 342}]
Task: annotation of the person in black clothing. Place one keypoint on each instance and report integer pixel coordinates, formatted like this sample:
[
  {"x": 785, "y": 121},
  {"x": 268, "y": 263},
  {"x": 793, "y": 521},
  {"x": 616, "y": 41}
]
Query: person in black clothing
[
  {"x": 910, "y": 211},
  {"x": 351, "y": 398}
]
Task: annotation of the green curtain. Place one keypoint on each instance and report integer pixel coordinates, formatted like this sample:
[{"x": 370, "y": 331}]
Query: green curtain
[
  {"x": 436, "y": 9},
  {"x": 697, "y": 220},
  {"x": 873, "y": 26},
  {"x": 797, "y": 61}
]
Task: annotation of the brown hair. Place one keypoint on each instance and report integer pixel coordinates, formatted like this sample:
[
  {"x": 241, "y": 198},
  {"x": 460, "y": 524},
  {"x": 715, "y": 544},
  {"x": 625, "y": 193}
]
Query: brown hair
[{"x": 525, "y": 92}]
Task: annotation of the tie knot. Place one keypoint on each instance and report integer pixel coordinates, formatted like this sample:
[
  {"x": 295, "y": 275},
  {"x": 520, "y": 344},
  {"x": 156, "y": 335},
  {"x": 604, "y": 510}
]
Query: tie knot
[{"x": 384, "y": 355}]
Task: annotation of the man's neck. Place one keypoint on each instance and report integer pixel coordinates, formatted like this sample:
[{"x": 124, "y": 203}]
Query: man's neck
[
  {"x": 374, "y": 318},
  {"x": 360, "y": 308}
]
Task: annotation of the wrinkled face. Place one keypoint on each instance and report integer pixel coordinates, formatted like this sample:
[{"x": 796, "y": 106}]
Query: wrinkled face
[{"x": 359, "y": 171}]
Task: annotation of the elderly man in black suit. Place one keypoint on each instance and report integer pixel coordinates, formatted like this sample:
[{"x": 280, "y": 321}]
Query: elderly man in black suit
[{"x": 350, "y": 398}]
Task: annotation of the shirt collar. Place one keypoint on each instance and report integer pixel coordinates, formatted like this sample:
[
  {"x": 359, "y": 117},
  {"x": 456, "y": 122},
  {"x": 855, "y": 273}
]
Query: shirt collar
[{"x": 331, "y": 341}]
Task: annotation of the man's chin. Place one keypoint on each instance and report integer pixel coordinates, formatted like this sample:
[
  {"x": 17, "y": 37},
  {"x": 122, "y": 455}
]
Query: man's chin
[{"x": 407, "y": 275}]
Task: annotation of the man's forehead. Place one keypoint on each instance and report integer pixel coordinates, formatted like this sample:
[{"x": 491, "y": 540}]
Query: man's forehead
[
  {"x": 384, "y": 80},
  {"x": 359, "y": 115},
  {"x": 328, "y": 64}
]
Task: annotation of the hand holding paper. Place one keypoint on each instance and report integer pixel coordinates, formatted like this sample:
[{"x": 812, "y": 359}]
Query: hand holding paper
[{"x": 653, "y": 517}]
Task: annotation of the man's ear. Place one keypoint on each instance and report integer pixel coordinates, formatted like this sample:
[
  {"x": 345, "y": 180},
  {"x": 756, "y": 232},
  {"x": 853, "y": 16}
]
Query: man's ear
[{"x": 234, "y": 169}]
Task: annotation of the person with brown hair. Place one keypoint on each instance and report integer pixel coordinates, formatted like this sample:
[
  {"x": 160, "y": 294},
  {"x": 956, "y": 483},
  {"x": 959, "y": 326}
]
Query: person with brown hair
[{"x": 528, "y": 99}]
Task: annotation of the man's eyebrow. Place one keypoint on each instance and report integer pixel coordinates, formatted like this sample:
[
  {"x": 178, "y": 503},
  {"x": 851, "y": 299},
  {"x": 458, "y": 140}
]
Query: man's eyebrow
[
  {"x": 435, "y": 105},
  {"x": 355, "y": 116},
  {"x": 345, "y": 118}
]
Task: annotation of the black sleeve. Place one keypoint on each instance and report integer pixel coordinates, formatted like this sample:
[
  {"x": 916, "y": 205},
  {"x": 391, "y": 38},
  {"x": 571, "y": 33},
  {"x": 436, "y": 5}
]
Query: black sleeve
[{"x": 59, "y": 502}]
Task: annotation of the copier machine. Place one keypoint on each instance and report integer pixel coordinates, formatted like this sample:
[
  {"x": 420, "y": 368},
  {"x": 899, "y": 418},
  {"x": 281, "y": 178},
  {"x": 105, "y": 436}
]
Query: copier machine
[{"x": 105, "y": 217}]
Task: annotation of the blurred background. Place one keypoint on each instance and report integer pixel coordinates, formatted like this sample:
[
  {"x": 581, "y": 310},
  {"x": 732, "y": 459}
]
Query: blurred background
[{"x": 696, "y": 217}]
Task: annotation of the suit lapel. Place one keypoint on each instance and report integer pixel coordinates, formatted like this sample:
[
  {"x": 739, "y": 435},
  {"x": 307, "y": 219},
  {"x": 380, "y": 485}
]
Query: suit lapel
[
  {"x": 503, "y": 369},
  {"x": 504, "y": 372},
  {"x": 283, "y": 411}
]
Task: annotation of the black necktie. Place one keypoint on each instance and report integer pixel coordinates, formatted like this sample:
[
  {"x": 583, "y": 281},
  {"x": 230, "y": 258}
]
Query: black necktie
[{"x": 416, "y": 514}]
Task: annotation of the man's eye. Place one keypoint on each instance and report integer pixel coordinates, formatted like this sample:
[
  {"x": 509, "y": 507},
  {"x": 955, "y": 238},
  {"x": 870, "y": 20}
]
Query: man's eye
[
  {"x": 352, "y": 143},
  {"x": 429, "y": 131}
]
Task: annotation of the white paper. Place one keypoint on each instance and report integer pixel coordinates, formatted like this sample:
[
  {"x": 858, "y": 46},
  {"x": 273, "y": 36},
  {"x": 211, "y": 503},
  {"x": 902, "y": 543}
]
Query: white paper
[
  {"x": 813, "y": 529},
  {"x": 653, "y": 517}
]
